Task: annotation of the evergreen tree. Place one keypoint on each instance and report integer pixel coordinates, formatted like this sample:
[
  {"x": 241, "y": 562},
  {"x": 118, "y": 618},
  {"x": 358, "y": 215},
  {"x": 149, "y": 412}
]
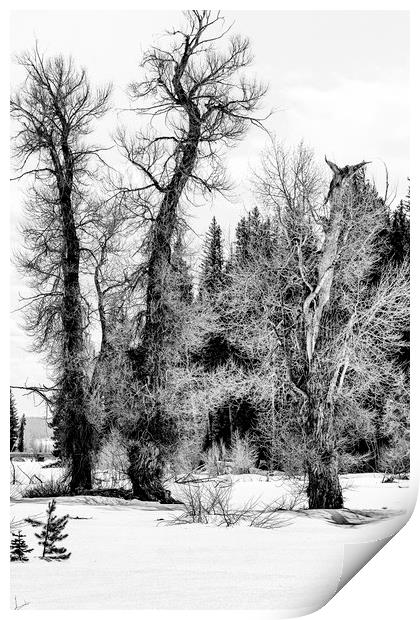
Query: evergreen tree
[
  {"x": 393, "y": 237},
  {"x": 212, "y": 265},
  {"x": 399, "y": 241},
  {"x": 14, "y": 423},
  {"x": 400, "y": 231},
  {"x": 21, "y": 434},
  {"x": 51, "y": 534},
  {"x": 18, "y": 548},
  {"x": 242, "y": 241},
  {"x": 254, "y": 238},
  {"x": 393, "y": 247},
  {"x": 215, "y": 349},
  {"x": 181, "y": 270}
]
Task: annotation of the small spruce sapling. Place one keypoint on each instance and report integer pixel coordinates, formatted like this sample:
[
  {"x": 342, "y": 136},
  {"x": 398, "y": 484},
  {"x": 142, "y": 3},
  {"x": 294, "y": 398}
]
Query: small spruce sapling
[
  {"x": 51, "y": 534},
  {"x": 18, "y": 548}
]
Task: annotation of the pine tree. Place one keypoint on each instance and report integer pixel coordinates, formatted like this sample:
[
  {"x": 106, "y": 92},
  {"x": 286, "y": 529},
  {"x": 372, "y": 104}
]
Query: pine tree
[
  {"x": 254, "y": 238},
  {"x": 14, "y": 423},
  {"x": 242, "y": 242},
  {"x": 212, "y": 265},
  {"x": 21, "y": 434},
  {"x": 182, "y": 275},
  {"x": 215, "y": 349},
  {"x": 51, "y": 533},
  {"x": 400, "y": 252},
  {"x": 18, "y": 548},
  {"x": 400, "y": 231}
]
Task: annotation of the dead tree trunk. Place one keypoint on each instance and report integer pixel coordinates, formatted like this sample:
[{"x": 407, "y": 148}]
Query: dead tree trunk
[{"x": 324, "y": 489}]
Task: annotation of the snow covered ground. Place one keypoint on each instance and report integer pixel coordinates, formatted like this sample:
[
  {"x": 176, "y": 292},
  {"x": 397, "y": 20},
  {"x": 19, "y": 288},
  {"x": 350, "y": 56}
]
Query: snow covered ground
[{"x": 130, "y": 554}]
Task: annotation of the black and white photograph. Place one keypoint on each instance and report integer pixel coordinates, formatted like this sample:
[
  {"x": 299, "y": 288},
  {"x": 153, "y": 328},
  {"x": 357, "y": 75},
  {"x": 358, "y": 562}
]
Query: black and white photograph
[{"x": 209, "y": 305}]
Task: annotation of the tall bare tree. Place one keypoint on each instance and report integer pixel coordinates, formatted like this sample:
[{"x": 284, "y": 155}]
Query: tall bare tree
[
  {"x": 203, "y": 103},
  {"x": 199, "y": 103},
  {"x": 53, "y": 110}
]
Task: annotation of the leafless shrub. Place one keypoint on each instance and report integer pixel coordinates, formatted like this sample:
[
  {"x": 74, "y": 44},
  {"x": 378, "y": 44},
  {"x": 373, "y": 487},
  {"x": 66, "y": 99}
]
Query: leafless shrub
[
  {"x": 224, "y": 510},
  {"x": 48, "y": 488},
  {"x": 214, "y": 459},
  {"x": 197, "y": 504},
  {"x": 206, "y": 502},
  {"x": 243, "y": 454},
  {"x": 187, "y": 458},
  {"x": 352, "y": 463},
  {"x": 211, "y": 503},
  {"x": 270, "y": 518},
  {"x": 23, "y": 484},
  {"x": 395, "y": 460}
]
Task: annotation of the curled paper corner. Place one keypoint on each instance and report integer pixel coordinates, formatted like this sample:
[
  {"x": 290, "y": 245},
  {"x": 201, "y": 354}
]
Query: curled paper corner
[{"x": 356, "y": 556}]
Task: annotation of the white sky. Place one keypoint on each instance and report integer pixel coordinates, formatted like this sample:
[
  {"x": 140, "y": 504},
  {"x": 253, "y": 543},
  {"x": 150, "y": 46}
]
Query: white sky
[{"x": 338, "y": 80}]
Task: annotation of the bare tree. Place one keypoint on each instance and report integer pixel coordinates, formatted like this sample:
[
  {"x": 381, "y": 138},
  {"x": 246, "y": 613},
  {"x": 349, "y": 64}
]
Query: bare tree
[
  {"x": 204, "y": 104},
  {"x": 310, "y": 311},
  {"x": 198, "y": 103},
  {"x": 54, "y": 109},
  {"x": 324, "y": 488}
]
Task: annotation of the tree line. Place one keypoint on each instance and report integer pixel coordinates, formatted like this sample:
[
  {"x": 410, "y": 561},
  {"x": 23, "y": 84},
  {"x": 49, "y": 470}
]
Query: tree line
[{"x": 295, "y": 336}]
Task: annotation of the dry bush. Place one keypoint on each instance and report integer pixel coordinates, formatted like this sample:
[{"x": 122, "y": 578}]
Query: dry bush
[
  {"x": 197, "y": 504},
  {"x": 295, "y": 499},
  {"x": 186, "y": 459},
  {"x": 243, "y": 454},
  {"x": 352, "y": 463},
  {"x": 395, "y": 460},
  {"x": 214, "y": 459},
  {"x": 221, "y": 504},
  {"x": 290, "y": 456},
  {"x": 211, "y": 503},
  {"x": 30, "y": 484},
  {"x": 48, "y": 488},
  {"x": 270, "y": 518}
]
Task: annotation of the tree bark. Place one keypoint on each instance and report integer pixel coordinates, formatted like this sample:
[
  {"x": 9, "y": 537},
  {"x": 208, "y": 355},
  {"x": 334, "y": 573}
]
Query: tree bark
[
  {"x": 324, "y": 490},
  {"x": 145, "y": 473}
]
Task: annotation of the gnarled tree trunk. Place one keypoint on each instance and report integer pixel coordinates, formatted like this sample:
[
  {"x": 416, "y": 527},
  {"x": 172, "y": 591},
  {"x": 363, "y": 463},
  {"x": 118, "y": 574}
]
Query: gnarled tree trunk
[{"x": 324, "y": 489}]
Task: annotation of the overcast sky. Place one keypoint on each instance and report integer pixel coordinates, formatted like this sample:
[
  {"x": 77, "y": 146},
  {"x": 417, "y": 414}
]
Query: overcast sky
[{"x": 338, "y": 80}]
